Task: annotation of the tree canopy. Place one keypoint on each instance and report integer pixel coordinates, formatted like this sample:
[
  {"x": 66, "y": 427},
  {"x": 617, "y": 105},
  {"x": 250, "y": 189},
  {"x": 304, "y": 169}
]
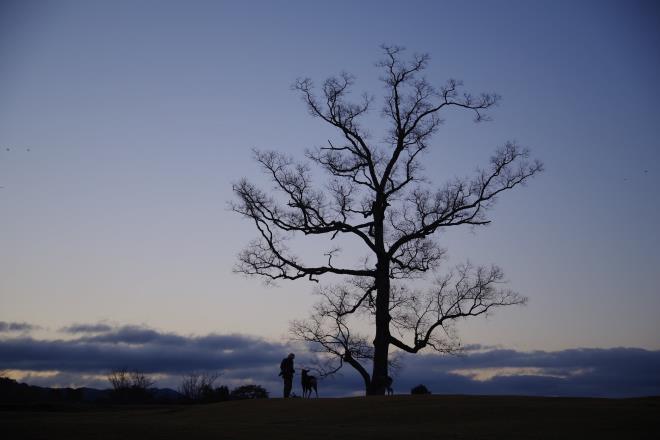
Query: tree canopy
[{"x": 378, "y": 195}]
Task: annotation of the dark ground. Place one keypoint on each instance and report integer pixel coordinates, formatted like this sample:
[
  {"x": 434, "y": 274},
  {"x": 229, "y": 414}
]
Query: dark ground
[{"x": 447, "y": 417}]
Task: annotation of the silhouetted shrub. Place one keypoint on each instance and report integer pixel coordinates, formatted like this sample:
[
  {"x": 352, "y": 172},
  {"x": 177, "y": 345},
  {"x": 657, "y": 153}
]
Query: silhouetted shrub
[
  {"x": 219, "y": 394},
  {"x": 420, "y": 389},
  {"x": 211, "y": 395},
  {"x": 130, "y": 386},
  {"x": 249, "y": 392},
  {"x": 198, "y": 387}
]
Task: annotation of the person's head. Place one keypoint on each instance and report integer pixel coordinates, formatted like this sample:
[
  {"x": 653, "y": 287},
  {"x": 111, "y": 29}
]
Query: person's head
[{"x": 291, "y": 355}]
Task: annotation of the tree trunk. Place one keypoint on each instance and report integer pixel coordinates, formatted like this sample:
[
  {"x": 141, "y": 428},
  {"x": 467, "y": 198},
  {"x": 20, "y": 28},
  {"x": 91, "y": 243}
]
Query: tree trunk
[
  {"x": 382, "y": 284},
  {"x": 382, "y": 339},
  {"x": 348, "y": 358}
]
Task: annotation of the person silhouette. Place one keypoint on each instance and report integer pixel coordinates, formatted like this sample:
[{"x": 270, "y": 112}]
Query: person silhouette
[{"x": 287, "y": 372}]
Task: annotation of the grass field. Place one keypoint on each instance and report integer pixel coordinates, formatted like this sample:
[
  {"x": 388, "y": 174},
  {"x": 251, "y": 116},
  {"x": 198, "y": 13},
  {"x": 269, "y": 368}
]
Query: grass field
[{"x": 446, "y": 417}]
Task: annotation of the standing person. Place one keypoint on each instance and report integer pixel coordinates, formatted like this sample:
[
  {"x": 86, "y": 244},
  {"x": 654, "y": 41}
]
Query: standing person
[{"x": 287, "y": 371}]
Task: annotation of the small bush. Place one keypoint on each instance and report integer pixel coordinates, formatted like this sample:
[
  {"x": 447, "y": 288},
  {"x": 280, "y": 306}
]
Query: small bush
[
  {"x": 420, "y": 389},
  {"x": 249, "y": 392}
]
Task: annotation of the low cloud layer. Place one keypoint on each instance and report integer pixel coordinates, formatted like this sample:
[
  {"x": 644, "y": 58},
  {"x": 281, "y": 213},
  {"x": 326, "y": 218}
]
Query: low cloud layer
[
  {"x": 87, "y": 328},
  {"x": 6, "y": 327},
  {"x": 613, "y": 372},
  {"x": 139, "y": 348},
  {"x": 98, "y": 348}
]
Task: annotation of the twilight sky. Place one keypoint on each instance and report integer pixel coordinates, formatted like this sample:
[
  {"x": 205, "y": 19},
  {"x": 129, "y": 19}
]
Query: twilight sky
[{"x": 123, "y": 125}]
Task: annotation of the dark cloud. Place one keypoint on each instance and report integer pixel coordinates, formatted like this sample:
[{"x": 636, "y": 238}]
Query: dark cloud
[
  {"x": 614, "y": 358},
  {"x": 614, "y": 372},
  {"x": 92, "y": 356},
  {"x": 131, "y": 334},
  {"x": 87, "y": 328},
  {"x": 17, "y": 327},
  {"x": 241, "y": 358}
]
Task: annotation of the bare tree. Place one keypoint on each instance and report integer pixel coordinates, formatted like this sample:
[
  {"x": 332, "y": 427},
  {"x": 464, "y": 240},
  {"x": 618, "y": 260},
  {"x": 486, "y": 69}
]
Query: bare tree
[
  {"x": 378, "y": 195},
  {"x": 140, "y": 381},
  {"x": 194, "y": 386},
  {"x": 120, "y": 379},
  {"x": 125, "y": 379},
  {"x": 130, "y": 385}
]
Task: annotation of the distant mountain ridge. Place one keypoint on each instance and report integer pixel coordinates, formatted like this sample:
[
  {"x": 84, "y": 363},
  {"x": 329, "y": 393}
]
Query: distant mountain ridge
[{"x": 12, "y": 391}]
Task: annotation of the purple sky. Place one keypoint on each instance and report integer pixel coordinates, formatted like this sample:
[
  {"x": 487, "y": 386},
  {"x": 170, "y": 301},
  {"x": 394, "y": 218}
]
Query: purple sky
[{"x": 123, "y": 125}]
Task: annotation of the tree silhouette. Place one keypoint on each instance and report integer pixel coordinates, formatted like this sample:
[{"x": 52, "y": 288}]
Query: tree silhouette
[
  {"x": 130, "y": 386},
  {"x": 420, "y": 389},
  {"x": 198, "y": 387},
  {"x": 377, "y": 195},
  {"x": 248, "y": 392}
]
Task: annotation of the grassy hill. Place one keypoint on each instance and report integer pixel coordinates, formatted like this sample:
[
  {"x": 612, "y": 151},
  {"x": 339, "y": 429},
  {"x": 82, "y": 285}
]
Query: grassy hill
[{"x": 447, "y": 417}]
